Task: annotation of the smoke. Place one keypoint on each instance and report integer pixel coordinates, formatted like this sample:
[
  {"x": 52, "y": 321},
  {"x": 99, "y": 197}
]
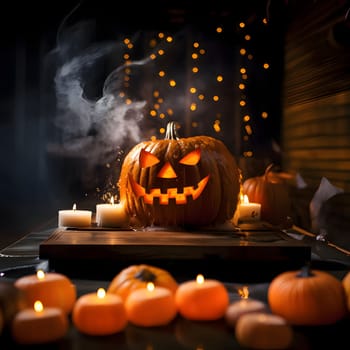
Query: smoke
[{"x": 97, "y": 126}]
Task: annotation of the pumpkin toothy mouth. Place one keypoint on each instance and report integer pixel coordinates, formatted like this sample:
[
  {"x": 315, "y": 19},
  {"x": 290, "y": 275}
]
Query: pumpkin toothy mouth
[{"x": 171, "y": 193}]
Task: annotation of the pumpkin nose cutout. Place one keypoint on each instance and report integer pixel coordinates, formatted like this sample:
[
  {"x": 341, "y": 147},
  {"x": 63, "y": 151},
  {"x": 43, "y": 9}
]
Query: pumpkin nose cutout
[{"x": 167, "y": 172}]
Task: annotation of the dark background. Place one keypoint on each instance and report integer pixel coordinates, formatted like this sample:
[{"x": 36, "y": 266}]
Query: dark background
[{"x": 35, "y": 181}]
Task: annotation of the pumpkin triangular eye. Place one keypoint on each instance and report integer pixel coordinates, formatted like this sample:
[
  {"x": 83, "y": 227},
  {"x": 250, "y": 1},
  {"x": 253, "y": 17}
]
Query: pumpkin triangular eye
[
  {"x": 167, "y": 172},
  {"x": 191, "y": 158},
  {"x": 147, "y": 159}
]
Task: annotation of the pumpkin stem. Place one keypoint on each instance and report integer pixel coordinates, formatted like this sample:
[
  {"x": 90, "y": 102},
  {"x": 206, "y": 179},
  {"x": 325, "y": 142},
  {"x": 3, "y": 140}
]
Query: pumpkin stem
[
  {"x": 305, "y": 271},
  {"x": 145, "y": 275},
  {"x": 171, "y": 132},
  {"x": 268, "y": 169}
]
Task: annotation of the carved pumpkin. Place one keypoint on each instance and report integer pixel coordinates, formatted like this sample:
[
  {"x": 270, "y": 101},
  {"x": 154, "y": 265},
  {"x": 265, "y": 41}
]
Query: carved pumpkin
[
  {"x": 307, "y": 297},
  {"x": 137, "y": 276},
  {"x": 190, "y": 181},
  {"x": 271, "y": 191}
]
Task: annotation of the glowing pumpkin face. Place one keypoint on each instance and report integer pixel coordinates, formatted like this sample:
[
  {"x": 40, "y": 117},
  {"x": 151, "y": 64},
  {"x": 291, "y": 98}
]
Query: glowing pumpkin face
[
  {"x": 167, "y": 171},
  {"x": 180, "y": 181}
]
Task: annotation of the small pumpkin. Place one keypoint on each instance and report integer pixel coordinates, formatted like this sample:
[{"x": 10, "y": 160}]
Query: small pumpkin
[
  {"x": 12, "y": 300},
  {"x": 346, "y": 285},
  {"x": 137, "y": 276},
  {"x": 193, "y": 181},
  {"x": 307, "y": 297},
  {"x": 271, "y": 191}
]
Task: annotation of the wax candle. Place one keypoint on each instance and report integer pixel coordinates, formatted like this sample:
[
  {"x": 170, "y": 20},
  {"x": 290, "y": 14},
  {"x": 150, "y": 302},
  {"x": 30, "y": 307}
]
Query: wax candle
[
  {"x": 74, "y": 217},
  {"x": 241, "y": 307},
  {"x": 52, "y": 289},
  {"x": 260, "y": 330},
  {"x": 150, "y": 306},
  {"x": 111, "y": 214},
  {"x": 39, "y": 325},
  {"x": 99, "y": 313},
  {"x": 248, "y": 211},
  {"x": 202, "y": 299}
]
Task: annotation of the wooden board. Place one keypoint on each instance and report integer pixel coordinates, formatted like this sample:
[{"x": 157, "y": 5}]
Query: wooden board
[{"x": 104, "y": 251}]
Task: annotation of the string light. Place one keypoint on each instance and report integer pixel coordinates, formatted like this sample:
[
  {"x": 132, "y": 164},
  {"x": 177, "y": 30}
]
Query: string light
[{"x": 203, "y": 88}]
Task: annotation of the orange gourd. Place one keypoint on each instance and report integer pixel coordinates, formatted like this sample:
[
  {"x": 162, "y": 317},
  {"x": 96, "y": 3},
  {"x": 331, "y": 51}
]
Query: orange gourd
[
  {"x": 137, "y": 276},
  {"x": 307, "y": 297},
  {"x": 271, "y": 191},
  {"x": 193, "y": 181},
  {"x": 346, "y": 285}
]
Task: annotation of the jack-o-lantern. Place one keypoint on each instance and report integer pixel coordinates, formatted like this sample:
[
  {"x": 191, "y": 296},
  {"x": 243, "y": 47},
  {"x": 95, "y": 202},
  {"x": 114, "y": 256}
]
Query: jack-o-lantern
[{"x": 192, "y": 181}]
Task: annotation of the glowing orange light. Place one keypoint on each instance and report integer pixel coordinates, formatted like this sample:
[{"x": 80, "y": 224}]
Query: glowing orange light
[
  {"x": 101, "y": 293},
  {"x": 191, "y": 158},
  {"x": 167, "y": 172},
  {"x": 200, "y": 279},
  {"x": 243, "y": 292},
  {"x": 147, "y": 159},
  {"x": 40, "y": 274},
  {"x": 38, "y": 306},
  {"x": 150, "y": 286}
]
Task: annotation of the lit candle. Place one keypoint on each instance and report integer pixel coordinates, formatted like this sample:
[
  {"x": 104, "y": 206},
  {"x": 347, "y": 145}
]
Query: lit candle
[
  {"x": 99, "y": 313},
  {"x": 241, "y": 307},
  {"x": 111, "y": 214},
  {"x": 39, "y": 325},
  {"x": 202, "y": 299},
  {"x": 259, "y": 330},
  {"x": 151, "y": 306},
  {"x": 52, "y": 289},
  {"x": 247, "y": 211},
  {"x": 74, "y": 217}
]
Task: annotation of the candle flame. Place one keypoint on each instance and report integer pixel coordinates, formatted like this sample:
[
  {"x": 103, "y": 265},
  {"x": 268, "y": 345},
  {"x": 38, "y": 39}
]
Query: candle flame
[
  {"x": 245, "y": 199},
  {"x": 101, "y": 293},
  {"x": 38, "y": 306},
  {"x": 243, "y": 292},
  {"x": 112, "y": 200},
  {"x": 241, "y": 197},
  {"x": 150, "y": 286},
  {"x": 74, "y": 206},
  {"x": 40, "y": 274},
  {"x": 200, "y": 279}
]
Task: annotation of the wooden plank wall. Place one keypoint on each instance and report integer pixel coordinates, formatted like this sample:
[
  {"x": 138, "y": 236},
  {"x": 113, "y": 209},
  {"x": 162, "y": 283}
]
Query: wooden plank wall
[{"x": 316, "y": 94}]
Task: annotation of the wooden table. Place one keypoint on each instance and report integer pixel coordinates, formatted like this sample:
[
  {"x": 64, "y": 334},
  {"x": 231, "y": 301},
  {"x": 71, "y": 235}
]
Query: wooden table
[{"x": 254, "y": 252}]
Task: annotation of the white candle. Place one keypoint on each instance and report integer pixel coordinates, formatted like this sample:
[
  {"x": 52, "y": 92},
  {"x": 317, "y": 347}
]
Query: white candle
[
  {"x": 242, "y": 307},
  {"x": 248, "y": 211},
  {"x": 74, "y": 217},
  {"x": 260, "y": 330},
  {"x": 111, "y": 215}
]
